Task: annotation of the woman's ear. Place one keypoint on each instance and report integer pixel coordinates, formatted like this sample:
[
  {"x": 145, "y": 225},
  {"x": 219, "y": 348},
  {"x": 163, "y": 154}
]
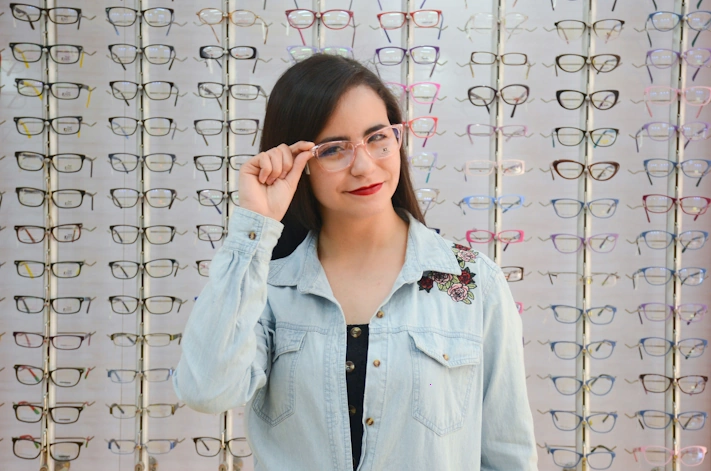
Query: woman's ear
[{"x": 307, "y": 169}]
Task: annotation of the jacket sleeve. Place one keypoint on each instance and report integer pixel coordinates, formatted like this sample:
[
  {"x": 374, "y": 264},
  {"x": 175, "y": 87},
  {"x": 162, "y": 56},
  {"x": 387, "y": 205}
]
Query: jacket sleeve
[
  {"x": 507, "y": 440},
  {"x": 227, "y": 340}
]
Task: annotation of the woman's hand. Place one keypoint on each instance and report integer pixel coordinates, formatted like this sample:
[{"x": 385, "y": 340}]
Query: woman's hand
[{"x": 267, "y": 182}]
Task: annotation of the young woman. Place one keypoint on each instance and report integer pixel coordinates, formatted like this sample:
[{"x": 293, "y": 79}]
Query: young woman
[{"x": 357, "y": 336}]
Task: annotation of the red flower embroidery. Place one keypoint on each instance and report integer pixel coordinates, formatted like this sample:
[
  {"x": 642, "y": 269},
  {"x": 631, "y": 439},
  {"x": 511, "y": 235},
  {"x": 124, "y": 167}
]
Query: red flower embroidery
[
  {"x": 425, "y": 283},
  {"x": 459, "y": 287}
]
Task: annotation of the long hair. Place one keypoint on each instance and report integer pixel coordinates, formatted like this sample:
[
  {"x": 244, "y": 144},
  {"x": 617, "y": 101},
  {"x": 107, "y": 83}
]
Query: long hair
[{"x": 300, "y": 105}]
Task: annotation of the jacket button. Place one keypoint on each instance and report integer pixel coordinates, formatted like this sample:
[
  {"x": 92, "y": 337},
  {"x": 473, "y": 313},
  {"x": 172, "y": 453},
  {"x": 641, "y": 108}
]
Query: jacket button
[
  {"x": 350, "y": 366},
  {"x": 445, "y": 356},
  {"x": 380, "y": 314},
  {"x": 252, "y": 235},
  {"x": 351, "y": 409},
  {"x": 355, "y": 332},
  {"x": 376, "y": 363},
  {"x": 369, "y": 421}
]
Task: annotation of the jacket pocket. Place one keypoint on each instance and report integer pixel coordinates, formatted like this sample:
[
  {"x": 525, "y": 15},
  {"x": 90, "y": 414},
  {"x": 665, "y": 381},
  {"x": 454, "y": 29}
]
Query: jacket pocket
[
  {"x": 443, "y": 368},
  {"x": 275, "y": 401}
]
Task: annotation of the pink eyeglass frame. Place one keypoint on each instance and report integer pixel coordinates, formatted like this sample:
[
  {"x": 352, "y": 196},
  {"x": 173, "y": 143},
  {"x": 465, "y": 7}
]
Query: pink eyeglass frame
[
  {"x": 643, "y": 450},
  {"x": 318, "y": 15},
  {"x": 680, "y": 94}
]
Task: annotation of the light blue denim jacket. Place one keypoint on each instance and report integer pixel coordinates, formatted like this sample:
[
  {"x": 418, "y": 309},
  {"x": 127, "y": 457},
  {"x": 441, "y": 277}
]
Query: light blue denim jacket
[{"x": 449, "y": 392}]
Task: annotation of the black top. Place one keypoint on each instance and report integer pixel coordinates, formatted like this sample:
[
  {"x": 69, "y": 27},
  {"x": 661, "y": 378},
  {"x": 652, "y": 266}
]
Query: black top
[{"x": 356, "y": 359}]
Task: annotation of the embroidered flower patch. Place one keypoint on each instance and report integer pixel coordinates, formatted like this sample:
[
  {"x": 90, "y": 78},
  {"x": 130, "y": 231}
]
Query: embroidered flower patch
[{"x": 458, "y": 287}]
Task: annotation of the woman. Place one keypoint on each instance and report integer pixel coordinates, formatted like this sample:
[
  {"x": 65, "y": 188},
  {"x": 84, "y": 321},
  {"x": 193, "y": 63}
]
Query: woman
[{"x": 370, "y": 288}]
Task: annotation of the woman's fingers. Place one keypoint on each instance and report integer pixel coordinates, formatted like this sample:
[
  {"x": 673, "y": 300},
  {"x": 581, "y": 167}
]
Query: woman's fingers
[{"x": 278, "y": 162}]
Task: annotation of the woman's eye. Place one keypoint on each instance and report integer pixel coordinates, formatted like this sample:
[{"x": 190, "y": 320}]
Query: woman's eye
[
  {"x": 377, "y": 137},
  {"x": 331, "y": 151}
]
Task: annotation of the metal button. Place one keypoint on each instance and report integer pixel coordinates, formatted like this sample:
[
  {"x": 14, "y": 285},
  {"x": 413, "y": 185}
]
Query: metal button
[
  {"x": 369, "y": 421},
  {"x": 350, "y": 366},
  {"x": 355, "y": 332},
  {"x": 252, "y": 235},
  {"x": 445, "y": 356},
  {"x": 376, "y": 363},
  {"x": 380, "y": 314},
  {"x": 352, "y": 409}
]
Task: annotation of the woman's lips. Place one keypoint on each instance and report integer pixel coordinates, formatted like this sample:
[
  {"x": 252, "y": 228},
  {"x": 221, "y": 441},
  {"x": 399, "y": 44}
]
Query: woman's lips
[{"x": 369, "y": 190}]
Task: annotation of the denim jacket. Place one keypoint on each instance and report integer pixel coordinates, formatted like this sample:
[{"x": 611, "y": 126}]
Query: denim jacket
[{"x": 448, "y": 391}]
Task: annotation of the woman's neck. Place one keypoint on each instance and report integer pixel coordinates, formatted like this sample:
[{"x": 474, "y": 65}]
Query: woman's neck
[{"x": 345, "y": 237}]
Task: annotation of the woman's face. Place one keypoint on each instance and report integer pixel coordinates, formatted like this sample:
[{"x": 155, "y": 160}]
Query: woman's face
[{"x": 359, "y": 112}]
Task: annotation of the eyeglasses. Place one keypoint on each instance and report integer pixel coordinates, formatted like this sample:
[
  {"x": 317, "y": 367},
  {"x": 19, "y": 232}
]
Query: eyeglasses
[
  {"x": 61, "y": 377},
  {"x": 214, "y": 198},
  {"x": 692, "y": 96},
  {"x": 237, "y": 52},
  {"x": 601, "y": 278},
  {"x": 570, "y": 169},
  {"x": 156, "y": 268},
  {"x": 657, "y": 276},
  {"x": 156, "y": 54},
  {"x": 395, "y": 55},
  {"x": 661, "y": 131},
  {"x": 208, "y": 446},
  {"x": 599, "y": 315},
  {"x": 570, "y": 30},
  {"x": 567, "y": 421},
  {"x": 570, "y": 385},
  {"x": 62, "y": 341},
  {"x": 125, "y": 126},
  {"x": 571, "y": 63},
  {"x": 697, "y": 58},
  {"x": 659, "y": 347},
  {"x": 239, "y": 126},
  {"x": 203, "y": 267},
  {"x": 509, "y": 167},
  {"x": 426, "y": 197},
  {"x": 486, "y": 22},
  {"x": 569, "y": 136},
  {"x": 424, "y": 161},
  {"x": 690, "y": 384},
  {"x": 64, "y": 449},
  {"x": 480, "y": 236},
  {"x": 485, "y": 202},
  {"x": 241, "y": 18},
  {"x": 63, "y": 125},
  {"x": 659, "y": 204},
  {"x": 332, "y": 19},
  {"x": 59, "y": 90},
  {"x": 210, "y": 233},
  {"x": 334, "y": 156},
  {"x": 238, "y": 91},
  {"x": 123, "y": 339},
  {"x": 59, "y": 53},
  {"x": 65, "y": 199},
  {"x": 659, "y": 420},
  {"x": 213, "y": 163},
  {"x": 156, "y": 90},
  {"x": 156, "y": 162},
  {"x": 489, "y": 58},
  {"x": 597, "y": 460},
  {"x": 154, "y": 304},
  {"x": 60, "y": 305},
  {"x": 58, "y": 15},
  {"x": 421, "y": 92},
  {"x": 34, "y": 269},
  {"x": 36, "y": 234},
  {"x": 156, "y": 17},
  {"x": 666, "y": 21},
  {"x": 660, "y": 312},
  {"x": 659, "y": 455},
  {"x": 423, "y": 127},
  {"x": 151, "y": 375},
  {"x": 571, "y": 243},
  {"x": 31, "y": 413},
  {"x": 514, "y": 94},
  {"x": 154, "y": 446},
  {"x": 599, "y": 350},
  {"x": 154, "y": 411},
  {"x": 421, "y": 18},
  {"x": 694, "y": 168},
  {"x": 660, "y": 240},
  {"x": 573, "y": 99},
  {"x": 155, "y": 198},
  {"x": 300, "y": 53},
  {"x": 63, "y": 163},
  {"x": 156, "y": 235},
  {"x": 486, "y": 130}
]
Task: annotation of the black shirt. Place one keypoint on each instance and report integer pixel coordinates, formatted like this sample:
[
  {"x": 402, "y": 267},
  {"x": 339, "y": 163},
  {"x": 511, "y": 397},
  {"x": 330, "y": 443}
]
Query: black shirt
[{"x": 356, "y": 359}]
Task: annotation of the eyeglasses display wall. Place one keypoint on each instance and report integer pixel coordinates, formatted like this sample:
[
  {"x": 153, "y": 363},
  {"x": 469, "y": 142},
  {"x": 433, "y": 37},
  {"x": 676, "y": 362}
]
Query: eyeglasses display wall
[{"x": 568, "y": 140}]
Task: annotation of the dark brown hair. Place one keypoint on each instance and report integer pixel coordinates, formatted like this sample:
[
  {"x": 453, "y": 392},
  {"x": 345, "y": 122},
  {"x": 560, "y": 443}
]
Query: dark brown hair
[{"x": 299, "y": 107}]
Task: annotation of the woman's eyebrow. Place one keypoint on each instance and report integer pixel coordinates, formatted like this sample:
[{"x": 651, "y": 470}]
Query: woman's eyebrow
[{"x": 345, "y": 138}]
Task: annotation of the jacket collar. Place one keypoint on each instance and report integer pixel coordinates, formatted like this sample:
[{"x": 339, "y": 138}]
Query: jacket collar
[{"x": 426, "y": 251}]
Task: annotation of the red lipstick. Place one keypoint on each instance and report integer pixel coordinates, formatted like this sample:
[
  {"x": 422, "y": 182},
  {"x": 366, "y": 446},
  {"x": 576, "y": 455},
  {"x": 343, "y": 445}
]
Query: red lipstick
[{"x": 367, "y": 190}]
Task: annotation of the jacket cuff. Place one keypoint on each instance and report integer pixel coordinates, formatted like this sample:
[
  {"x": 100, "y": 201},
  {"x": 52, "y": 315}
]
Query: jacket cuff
[{"x": 252, "y": 233}]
